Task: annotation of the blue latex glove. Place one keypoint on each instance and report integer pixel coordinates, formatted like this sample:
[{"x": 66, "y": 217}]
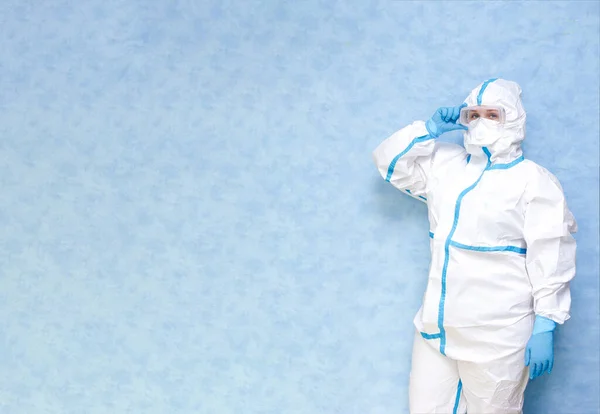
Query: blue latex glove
[
  {"x": 539, "y": 353},
  {"x": 444, "y": 120}
]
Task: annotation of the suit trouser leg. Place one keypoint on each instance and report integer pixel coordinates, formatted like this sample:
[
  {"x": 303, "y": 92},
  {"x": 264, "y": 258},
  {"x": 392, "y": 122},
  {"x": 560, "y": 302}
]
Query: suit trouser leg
[
  {"x": 435, "y": 385},
  {"x": 495, "y": 387}
]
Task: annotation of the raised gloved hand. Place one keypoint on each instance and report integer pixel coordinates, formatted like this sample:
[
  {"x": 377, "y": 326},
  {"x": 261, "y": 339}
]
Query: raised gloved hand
[
  {"x": 539, "y": 353},
  {"x": 444, "y": 120}
]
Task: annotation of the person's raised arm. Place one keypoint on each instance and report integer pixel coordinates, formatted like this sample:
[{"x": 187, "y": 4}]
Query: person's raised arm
[{"x": 405, "y": 159}]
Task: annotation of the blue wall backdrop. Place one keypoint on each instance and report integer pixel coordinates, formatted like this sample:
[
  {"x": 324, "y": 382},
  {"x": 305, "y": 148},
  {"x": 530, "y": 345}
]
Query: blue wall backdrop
[{"x": 191, "y": 221}]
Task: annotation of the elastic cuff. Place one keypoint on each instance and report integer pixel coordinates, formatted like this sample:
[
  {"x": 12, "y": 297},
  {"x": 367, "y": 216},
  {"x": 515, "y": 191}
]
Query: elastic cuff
[{"x": 543, "y": 324}]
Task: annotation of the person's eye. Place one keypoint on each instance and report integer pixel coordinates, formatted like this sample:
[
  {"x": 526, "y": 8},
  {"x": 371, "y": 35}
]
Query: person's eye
[
  {"x": 493, "y": 116},
  {"x": 474, "y": 116}
]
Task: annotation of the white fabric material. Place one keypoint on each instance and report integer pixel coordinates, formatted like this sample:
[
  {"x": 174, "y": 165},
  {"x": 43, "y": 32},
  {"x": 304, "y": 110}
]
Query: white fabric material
[
  {"x": 502, "y": 248},
  {"x": 441, "y": 385}
]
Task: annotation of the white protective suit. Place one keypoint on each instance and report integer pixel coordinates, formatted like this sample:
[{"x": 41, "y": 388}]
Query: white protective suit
[{"x": 502, "y": 251}]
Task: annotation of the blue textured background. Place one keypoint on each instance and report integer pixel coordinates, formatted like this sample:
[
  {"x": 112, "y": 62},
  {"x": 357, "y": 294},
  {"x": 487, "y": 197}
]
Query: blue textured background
[{"x": 190, "y": 218}]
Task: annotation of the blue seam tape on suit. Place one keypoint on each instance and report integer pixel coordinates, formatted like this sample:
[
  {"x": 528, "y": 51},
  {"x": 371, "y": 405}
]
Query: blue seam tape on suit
[
  {"x": 430, "y": 336},
  {"x": 514, "y": 249},
  {"x": 397, "y": 157},
  {"x": 457, "y": 400},
  {"x": 507, "y": 166},
  {"x": 482, "y": 90},
  {"x": 421, "y": 197},
  {"x": 447, "y": 255}
]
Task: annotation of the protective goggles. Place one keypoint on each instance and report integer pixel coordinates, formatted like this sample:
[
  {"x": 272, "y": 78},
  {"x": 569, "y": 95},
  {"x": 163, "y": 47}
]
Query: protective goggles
[{"x": 473, "y": 113}]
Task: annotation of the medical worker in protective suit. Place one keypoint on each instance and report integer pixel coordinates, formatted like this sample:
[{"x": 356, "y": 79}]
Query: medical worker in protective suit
[{"x": 502, "y": 254}]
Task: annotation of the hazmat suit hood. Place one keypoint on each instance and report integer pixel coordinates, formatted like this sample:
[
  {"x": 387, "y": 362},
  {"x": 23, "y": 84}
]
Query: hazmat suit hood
[{"x": 503, "y": 141}]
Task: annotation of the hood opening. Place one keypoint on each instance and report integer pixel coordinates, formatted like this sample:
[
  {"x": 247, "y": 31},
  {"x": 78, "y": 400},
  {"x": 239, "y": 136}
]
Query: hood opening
[{"x": 502, "y": 141}]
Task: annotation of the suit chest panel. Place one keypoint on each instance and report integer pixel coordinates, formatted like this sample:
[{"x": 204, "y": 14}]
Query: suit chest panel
[{"x": 479, "y": 208}]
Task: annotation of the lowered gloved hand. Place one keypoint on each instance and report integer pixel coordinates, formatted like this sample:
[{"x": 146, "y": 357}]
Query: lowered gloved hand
[
  {"x": 444, "y": 120},
  {"x": 539, "y": 353}
]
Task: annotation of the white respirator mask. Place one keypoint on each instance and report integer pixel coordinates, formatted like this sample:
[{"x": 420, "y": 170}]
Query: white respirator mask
[{"x": 485, "y": 123}]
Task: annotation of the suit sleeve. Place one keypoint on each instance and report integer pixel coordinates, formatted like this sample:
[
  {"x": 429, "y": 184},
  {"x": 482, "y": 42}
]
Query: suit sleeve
[
  {"x": 404, "y": 159},
  {"x": 551, "y": 247}
]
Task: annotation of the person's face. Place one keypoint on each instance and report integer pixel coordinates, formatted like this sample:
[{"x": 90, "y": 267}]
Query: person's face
[
  {"x": 492, "y": 114},
  {"x": 473, "y": 113}
]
